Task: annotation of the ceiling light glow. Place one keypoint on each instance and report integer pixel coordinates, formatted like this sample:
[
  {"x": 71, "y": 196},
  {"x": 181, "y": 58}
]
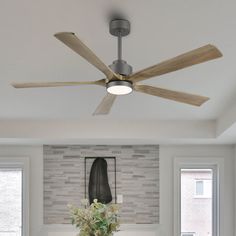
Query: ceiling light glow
[{"x": 119, "y": 87}]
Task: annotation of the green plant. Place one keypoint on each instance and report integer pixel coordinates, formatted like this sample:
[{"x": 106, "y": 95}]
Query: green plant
[{"x": 96, "y": 219}]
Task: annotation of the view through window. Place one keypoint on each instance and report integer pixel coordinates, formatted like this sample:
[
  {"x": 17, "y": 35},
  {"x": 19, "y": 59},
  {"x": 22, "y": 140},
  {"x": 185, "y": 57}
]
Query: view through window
[
  {"x": 196, "y": 202},
  {"x": 10, "y": 202}
]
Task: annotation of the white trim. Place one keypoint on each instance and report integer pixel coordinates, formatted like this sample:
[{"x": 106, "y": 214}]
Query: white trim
[
  {"x": 23, "y": 163},
  {"x": 214, "y": 163},
  {"x": 188, "y": 233}
]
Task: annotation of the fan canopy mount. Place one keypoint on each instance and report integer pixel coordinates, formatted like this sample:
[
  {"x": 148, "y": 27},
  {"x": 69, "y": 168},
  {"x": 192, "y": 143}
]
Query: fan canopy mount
[{"x": 119, "y": 27}]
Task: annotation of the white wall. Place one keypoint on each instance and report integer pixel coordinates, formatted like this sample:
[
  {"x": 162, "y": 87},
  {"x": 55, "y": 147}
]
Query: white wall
[{"x": 167, "y": 153}]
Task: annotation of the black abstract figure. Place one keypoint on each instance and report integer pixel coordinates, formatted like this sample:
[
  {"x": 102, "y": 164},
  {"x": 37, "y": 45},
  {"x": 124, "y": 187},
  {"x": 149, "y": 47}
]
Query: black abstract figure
[{"x": 98, "y": 182}]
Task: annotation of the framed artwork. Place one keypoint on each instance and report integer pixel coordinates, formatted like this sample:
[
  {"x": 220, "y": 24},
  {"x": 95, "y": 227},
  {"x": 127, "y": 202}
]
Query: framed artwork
[{"x": 95, "y": 174}]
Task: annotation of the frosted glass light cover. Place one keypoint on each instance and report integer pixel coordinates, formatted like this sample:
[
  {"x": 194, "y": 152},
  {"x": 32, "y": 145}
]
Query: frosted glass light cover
[{"x": 119, "y": 90}]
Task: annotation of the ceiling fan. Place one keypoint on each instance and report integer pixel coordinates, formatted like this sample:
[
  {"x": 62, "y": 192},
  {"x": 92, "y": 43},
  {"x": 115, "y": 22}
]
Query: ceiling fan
[{"x": 121, "y": 80}]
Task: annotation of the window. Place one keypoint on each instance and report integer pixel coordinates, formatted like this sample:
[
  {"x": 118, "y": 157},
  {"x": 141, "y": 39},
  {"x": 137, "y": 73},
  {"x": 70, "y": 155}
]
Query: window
[
  {"x": 196, "y": 196},
  {"x": 196, "y": 213},
  {"x": 203, "y": 188},
  {"x": 13, "y": 197},
  {"x": 199, "y": 188},
  {"x": 10, "y": 201}
]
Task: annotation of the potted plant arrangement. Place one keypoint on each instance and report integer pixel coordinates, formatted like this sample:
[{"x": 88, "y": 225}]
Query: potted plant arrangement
[{"x": 96, "y": 219}]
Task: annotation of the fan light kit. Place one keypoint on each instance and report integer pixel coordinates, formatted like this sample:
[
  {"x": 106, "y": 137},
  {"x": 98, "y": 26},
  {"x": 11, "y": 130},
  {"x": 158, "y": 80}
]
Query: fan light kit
[
  {"x": 119, "y": 87},
  {"x": 121, "y": 80}
]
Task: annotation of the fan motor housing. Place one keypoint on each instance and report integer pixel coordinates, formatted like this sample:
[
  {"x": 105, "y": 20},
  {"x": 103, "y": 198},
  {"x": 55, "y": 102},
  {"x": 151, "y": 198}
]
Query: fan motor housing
[{"x": 121, "y": 67}]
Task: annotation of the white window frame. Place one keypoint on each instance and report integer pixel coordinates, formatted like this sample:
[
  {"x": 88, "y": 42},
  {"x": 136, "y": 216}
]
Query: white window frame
[
  {"x": 188, "y": 233},
  {"x": 214, "y": 163},
  {"x": 22, "y": 163}
]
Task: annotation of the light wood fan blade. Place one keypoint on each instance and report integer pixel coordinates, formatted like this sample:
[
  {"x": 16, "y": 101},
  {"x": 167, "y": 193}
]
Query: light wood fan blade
[
  {"x": 105, "y": 106},
  {"x": 191, "y": 99},
  {"x": 202, "y": 54},
  {"x": 101, "y": 82},
  {"x": 79, "y": 47}
]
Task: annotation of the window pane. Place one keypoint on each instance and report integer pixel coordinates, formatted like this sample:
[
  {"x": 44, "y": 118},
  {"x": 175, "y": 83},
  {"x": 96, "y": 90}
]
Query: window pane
[
  {"x": 199, "y": 187},
  {"x": 10, "y": 202},
  {"x": 196, "y": 212}
]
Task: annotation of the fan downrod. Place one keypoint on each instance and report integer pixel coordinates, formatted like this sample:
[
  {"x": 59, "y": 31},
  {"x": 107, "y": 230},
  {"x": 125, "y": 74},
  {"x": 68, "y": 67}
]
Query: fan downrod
[{"x": 120, "y": 28}]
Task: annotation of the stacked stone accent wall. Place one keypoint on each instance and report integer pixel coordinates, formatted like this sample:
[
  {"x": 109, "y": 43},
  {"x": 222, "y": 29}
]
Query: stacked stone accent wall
[{"x": 137, "y": 180}]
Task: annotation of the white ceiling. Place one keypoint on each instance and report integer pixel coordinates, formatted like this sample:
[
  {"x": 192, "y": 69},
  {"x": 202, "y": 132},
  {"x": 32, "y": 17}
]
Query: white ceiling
[{"x": 160, "y": 30}]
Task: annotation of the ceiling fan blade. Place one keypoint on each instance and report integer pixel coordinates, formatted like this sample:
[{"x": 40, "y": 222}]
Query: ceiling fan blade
[
  {"x": 202, "y": 54},
  {"x": 191, "y": 99},
  {"x": 79, "y": 47},
  {"x": 101, "y": 82},
  {"x": 105, "y": 106}
]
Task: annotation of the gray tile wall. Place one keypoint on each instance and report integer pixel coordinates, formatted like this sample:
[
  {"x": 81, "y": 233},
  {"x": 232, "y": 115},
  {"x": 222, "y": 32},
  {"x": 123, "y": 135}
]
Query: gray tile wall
[{"x": 137, "y": 180}]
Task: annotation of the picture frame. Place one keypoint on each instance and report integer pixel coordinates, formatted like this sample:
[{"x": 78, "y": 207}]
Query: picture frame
[{"x": 112, "y": 175}]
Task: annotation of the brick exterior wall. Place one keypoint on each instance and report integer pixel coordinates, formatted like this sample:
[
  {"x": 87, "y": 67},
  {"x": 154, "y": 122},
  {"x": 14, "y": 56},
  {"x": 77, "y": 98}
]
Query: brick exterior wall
[{"x": 196, "y": 211}]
